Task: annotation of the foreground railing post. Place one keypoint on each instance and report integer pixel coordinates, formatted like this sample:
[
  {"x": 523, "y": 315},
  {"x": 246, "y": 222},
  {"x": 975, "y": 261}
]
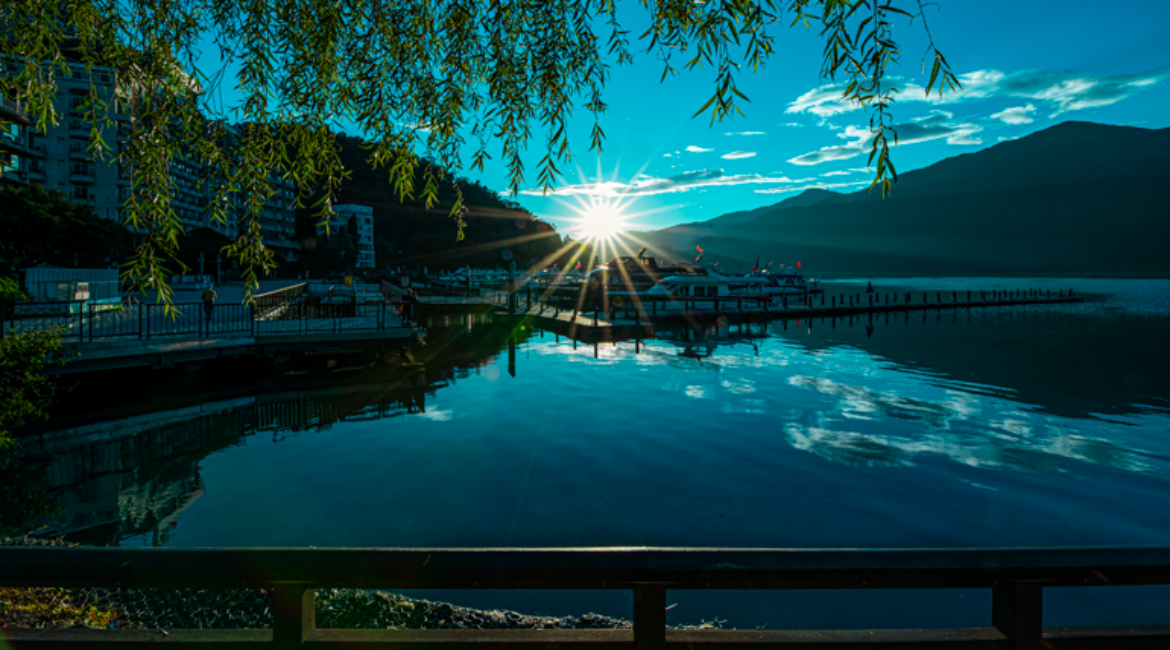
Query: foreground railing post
[
  {"x": 650, "y": 618},
  {"x": 294, "y": 615},
  {"x": 1017, "y": 611}
]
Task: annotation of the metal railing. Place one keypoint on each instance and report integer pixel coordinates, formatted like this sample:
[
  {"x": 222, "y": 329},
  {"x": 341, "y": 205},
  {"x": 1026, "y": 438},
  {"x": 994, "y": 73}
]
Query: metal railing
[
  {"x": 87, "y": 322},
  {"x": 269, "y": 305},
  {"x": 1016, "y": 577},
  {"x": 314, "y": 318}
]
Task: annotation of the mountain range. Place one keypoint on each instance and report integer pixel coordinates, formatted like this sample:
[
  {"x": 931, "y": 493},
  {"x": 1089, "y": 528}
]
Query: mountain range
[{"x": 1074, "y": 199}]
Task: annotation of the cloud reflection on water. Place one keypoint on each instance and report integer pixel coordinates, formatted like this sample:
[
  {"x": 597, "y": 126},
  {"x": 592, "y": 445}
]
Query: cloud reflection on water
[{"x": 954, "y": 429}]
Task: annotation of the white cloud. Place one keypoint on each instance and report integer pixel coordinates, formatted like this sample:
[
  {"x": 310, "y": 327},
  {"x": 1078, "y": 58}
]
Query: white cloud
[
  {"x": 811, "y": 186},
  {"x": 647, "y": 185},
  {"x": 837, "y": 173},
  {"x": 417, "y": 126},
  {"x": 794, "y": 125},
  {"x": 736, "y": 155},
  {"x": 1015, "y": 115},
  {"x": 693, "y": 149},
  {"x": 746, "y": 133},
  {"x": 824, "y": 101},
  {"x": 936, "y": 125},
  {"x": 666, "y": 155},
  {"x": 1003, "y": 138},
  {"x": 1060, "y": 91}
]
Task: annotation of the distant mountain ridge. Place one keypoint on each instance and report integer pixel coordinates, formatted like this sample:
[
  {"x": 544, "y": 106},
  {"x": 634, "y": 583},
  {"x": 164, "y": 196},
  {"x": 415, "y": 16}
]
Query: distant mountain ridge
[{"x": 1076, "y": 198}]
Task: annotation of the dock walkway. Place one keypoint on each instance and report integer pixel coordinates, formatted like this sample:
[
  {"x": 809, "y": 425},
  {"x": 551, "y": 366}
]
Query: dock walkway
[{"x": 624, "y": 324}]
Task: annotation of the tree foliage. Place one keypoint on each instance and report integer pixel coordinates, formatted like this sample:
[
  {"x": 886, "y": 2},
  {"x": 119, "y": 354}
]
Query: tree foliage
[
  {"x": 42, "y": 226},
  {"x": 26, "y": 390},
  {"x": 424, "y": 79},
  {"x": 407, "y": 233}
]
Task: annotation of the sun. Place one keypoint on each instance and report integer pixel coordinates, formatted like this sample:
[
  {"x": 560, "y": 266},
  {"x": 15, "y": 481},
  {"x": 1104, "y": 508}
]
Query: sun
[{"x": 600, "y": 221}]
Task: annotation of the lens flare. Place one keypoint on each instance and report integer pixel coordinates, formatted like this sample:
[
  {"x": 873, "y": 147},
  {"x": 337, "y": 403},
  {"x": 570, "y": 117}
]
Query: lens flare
[{"x": 600, "y": 221}]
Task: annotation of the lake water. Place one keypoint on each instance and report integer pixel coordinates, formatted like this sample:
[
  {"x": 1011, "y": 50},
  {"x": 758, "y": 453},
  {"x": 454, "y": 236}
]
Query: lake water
[{"x": 1015, "y": 426}]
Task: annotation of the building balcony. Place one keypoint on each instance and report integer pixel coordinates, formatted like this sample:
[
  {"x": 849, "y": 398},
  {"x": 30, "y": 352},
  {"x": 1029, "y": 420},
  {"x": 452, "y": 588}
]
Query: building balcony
[
  {"x": 80, "y": 154},
  {"x": 87, "y": 178},
  {"x": 124, "y": 181},
  {"x": 12, "y": 111},
  {"x": 37, "y": 149},
  {"x": 79, "y": 129},
  {"x": 17, "y": 176},
  {"x": 37, "y": 174}
]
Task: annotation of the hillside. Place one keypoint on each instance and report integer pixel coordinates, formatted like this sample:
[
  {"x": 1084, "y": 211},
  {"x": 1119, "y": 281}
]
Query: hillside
[
  {"x": 1076, "y": 198},
  {"x": 408, "y": 235}
]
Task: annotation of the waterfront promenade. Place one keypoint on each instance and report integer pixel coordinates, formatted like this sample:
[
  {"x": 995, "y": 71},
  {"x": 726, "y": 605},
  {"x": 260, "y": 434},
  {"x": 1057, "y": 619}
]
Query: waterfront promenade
[{"x": 284, "y": 318}]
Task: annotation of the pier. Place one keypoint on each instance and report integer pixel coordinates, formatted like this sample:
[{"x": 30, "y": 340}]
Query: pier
[{"x": 593, "y": 320}]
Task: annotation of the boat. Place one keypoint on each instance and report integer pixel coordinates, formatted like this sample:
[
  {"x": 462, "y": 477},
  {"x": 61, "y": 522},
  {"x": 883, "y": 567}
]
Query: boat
[
  {"x": 626, "y": 276},
  {"x": 788, "y": 283}
]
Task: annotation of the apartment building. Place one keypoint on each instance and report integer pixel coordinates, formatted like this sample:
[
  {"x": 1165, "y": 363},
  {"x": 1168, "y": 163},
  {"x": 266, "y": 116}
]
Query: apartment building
[
  {"x": 363, "y": 216},
  {"x": 61, "y": 159},
  {"x": 14, "y": 125}
]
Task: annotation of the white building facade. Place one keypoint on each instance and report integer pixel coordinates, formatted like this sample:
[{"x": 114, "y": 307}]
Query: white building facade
[{"x": 363, "y": 216}]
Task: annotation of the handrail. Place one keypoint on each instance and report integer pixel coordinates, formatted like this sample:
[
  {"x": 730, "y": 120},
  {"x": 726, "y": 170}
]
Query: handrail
[{"x": 1015, "y": 576}]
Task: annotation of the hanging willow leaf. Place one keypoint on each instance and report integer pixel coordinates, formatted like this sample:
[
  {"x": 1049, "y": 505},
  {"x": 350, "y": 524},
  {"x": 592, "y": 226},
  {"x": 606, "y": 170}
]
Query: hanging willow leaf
[{"x": 415, "y": 77}]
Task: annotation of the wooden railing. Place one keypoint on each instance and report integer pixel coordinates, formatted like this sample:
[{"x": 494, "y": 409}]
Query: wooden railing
[{"x": 1016, "y": 577}]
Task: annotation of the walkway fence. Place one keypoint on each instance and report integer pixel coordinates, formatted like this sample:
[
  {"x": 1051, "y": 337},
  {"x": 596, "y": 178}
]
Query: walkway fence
[
  {"x": 81, "y": 322},
  {"x": 1017, "y": 579}
]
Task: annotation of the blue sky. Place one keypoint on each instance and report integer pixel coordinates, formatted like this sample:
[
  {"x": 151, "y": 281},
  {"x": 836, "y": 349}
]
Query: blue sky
[{"x": 1025, "y": 65}]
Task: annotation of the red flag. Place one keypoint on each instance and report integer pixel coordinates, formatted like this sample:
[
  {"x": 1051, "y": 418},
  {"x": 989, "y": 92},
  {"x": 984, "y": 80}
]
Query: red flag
[
  {"x": 698, "y": 258},
  {"x": 798, "y": 265},
  {"x": 756, "y": 266},
  {"x": 578, "y": 266},
  {"x": 699, "y": 248}
]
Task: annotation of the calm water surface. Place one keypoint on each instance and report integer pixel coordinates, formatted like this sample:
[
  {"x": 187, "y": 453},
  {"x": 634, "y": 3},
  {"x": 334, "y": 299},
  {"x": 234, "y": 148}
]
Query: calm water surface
[{"x": 1043, "y": 426}]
